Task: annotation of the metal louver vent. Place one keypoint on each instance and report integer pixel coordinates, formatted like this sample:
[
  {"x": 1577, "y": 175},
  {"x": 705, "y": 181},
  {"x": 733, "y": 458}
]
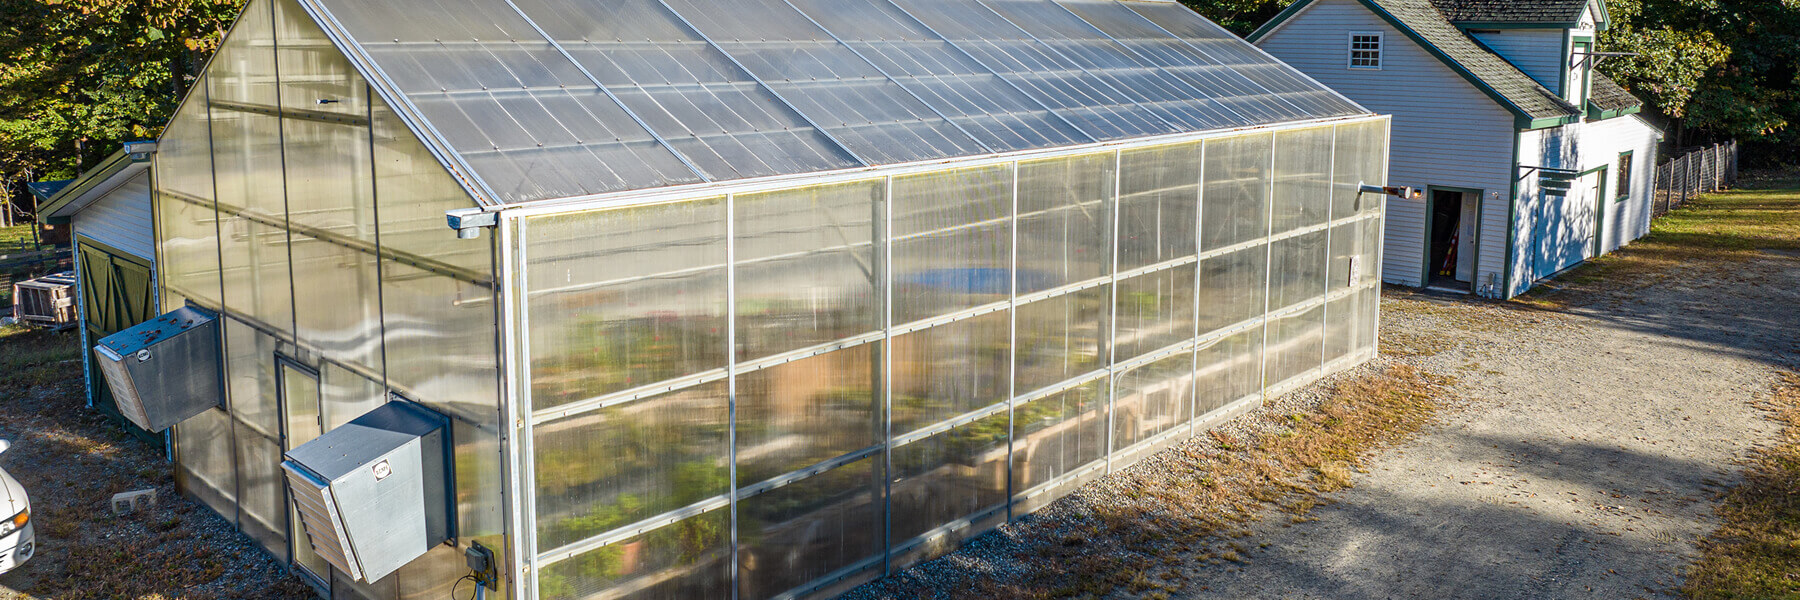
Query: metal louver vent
[{"x": 319, "y": 517}]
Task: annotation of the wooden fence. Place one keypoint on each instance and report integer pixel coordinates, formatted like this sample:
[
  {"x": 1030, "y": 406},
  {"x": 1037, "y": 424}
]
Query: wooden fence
[{"x": 1700, "y": 171}]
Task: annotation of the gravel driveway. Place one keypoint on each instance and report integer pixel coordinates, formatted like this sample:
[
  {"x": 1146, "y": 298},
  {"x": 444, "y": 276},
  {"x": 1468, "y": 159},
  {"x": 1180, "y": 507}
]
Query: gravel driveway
[{"x": 1583, "y": 464}]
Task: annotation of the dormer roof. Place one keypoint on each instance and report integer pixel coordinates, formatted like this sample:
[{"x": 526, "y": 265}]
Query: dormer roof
[{"x": 1549, "y": 13}]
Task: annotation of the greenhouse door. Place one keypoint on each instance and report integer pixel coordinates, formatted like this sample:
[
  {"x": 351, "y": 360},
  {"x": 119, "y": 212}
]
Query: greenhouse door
[{"x": 300, "y": 418}]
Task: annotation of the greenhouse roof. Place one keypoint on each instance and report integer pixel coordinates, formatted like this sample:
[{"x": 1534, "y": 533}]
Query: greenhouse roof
[{"x": 548, "y": 99}]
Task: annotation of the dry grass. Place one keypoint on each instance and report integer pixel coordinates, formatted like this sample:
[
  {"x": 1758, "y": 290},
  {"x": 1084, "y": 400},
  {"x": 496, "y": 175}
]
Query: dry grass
[
  {"x": 1142, "y": 543},
  {"x": 1713, "y": 231},
  {"x": 1756, "y": 552},
  {"x": 70, "y": 459}
]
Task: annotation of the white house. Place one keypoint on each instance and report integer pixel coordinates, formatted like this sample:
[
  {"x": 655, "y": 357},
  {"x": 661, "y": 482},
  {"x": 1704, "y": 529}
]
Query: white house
[{"x": 1532, "y": 161}]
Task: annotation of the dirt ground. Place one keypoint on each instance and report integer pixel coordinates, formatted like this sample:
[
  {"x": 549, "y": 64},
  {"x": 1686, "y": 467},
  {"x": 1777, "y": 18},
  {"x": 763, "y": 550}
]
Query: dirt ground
[{"x": 1583, "y": 464}]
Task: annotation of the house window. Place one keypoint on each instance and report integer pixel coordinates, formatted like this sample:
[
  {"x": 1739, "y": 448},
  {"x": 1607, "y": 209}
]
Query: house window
[
  {"x": 1365, "y": 50},
  {"x": 1624, "y": 183}
]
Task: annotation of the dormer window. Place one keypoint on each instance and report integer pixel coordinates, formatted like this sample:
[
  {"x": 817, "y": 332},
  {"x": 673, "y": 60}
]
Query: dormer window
[{"x": 1365, "y": 50}]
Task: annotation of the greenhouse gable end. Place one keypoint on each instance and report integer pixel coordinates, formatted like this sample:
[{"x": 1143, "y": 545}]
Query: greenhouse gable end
[{"x": 751, "y": 299}]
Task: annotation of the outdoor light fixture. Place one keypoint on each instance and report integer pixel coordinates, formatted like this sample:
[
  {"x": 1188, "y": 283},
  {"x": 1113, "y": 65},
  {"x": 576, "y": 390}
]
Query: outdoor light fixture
[{"x": 1398, "y": 191}]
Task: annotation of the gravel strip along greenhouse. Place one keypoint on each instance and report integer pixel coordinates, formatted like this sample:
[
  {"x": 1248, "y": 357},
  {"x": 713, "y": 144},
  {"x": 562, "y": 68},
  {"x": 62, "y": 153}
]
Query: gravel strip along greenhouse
[{"x": 747, "y": 299}]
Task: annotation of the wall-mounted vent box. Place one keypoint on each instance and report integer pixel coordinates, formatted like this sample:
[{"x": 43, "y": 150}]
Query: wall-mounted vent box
[
  {"x": 164, "y": 370},
  {"x": 374, "y": 494}
]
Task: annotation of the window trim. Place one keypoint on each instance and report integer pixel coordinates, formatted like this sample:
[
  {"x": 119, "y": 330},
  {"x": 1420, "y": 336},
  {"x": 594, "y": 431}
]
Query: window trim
[
  {"x": 1626, "y": 164},
  {"x": 1350, "y": 50}
]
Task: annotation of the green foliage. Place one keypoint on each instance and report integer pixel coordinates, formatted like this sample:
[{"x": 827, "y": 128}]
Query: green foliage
[
  {"x": 1239, "y": 16},
  {"x": 77, "y": 77}
]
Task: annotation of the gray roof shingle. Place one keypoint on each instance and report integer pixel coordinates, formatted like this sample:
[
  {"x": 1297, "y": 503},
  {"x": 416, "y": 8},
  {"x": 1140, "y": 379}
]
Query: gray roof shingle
[
  {"x": 1428, "y": 22},
  {"x": 1511, "y": 11},
  {"x": 1608, "y": 95}
]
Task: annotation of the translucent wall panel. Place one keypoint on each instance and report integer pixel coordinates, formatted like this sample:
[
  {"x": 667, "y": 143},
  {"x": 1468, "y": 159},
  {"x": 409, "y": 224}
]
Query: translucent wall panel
[
  {"x": 870, "y": 114},
  {"x": 1224, "y": 47},
  {"x": 1099, "y": 104},
  {"x": 951, "y": 241},
  {"x": 1151, "y": 399},
  {"x": 1237, "y": 191},
  {"x": 1058, "y": 435},
  {"x": 797, "y": 414},
  {"x": 262, "y": 491},
  {"x": 1227, "y": 370},
  {"x": 709, "y": 110},
  {"x": 687, "y": 559},
  {"x": 949, "y": 370},
  {"x": 330, "y": 192},
  {"x": 250, "y": 377},
  {"x": 206, "y": 462},
  {"x": 1302, "y": 179},
  {"x": 1361, "y": 157},
  {"x": 632, "y": 308},
  {"x": 622, "y": 464},
  {"x": 188, "y": 256},
  {"x": 1232, "y": 287},
  {"x": 514, "y": 107},
  {"x": 1077, "y": 41},
  {"x": 952, "y": 475},
  {"x": 1065, "y": 221},
  {"x": 247, "y": 161},
  {"x": 1154, "y": 310},
  {"x": 1159, "y": 204},
  {"x": 810, "y": 528},
  {"x": 1297, "y": 268},
  {"x": 1295, "y": 345},
  {"x": 1154, "y": 45},
  {"x": 1343, "y": 324},
  {"x": 1061, "y": 338},
  {"x": 950, "y": 81},
  {"x": 1349, "y": 248},
  {"x": 806, "y": 266}
]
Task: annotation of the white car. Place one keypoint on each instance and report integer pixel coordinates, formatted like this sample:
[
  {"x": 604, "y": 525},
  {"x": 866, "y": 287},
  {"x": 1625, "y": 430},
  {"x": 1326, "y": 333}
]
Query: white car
[{"x": 17, "y": 541}]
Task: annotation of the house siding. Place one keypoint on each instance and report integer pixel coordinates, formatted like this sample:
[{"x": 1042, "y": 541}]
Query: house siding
[
  {"x": 121, "y": 219},
  {"x": 1537, "y": 52},
  {"x": 1454, "y": 135},
  {"x": 1581, "y": 147}
]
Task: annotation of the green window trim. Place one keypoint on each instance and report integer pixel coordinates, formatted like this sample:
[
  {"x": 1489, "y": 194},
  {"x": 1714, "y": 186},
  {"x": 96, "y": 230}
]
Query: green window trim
[{"x": 1622, "y": 187}]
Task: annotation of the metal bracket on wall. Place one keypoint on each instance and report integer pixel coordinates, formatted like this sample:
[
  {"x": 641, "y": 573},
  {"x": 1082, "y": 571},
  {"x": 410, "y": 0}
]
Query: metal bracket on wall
[{"x": 468, "y": 221}]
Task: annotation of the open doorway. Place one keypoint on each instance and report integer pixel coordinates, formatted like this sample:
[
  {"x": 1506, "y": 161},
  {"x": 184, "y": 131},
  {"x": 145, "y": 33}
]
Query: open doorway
[{"x": 1450, "y": 256}]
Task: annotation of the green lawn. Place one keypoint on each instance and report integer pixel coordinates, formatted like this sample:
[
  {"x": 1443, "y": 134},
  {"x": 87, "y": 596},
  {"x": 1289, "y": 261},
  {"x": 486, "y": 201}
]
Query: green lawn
[{"x": 16, "y": 239}]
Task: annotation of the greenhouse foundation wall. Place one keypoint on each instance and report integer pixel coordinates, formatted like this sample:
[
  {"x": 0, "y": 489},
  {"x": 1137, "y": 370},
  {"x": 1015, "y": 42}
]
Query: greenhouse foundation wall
[{"x": 765, "y": 392}]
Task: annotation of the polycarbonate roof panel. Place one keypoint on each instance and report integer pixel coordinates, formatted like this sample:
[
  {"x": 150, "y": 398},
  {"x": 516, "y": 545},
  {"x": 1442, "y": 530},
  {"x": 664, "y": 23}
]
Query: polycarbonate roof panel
[
  {"x": 995, "y": 112},
  {"x": 1092, "y": 50},
  {"x": 546, "y": 99},
  {"x": 707, "y": 109},
  {"x": 827, "y": 81},
  {"x": 1220, "y": 45},
  {"x": 524, "y": 118}
]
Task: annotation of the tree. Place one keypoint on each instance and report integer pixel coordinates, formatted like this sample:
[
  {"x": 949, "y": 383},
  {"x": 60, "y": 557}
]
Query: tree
[{"x": 79, "y": 77}]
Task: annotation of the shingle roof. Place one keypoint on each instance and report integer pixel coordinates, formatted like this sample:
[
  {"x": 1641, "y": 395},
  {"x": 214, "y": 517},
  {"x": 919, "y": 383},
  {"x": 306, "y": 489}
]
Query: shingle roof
[
  {"x": 1511, "y": 11},
  {"x": 1506, "y": 80},
  {"x": 1608, "y": 95}
]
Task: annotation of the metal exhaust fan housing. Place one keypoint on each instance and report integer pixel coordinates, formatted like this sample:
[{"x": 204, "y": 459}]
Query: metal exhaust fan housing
[
  {"x": 374, "y": 494},
  {"x": 165, "y": 370}
]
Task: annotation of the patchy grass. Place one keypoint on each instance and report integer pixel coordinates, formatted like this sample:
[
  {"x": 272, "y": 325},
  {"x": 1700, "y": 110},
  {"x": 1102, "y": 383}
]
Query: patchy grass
[
  {"x": 1756, "y": 552},
  {"x": 1714, "y": 230},
  {"x": 71, "y": 460},
  {"x": 1140, "y": 544},
  {"x": 16, "y": 239}
]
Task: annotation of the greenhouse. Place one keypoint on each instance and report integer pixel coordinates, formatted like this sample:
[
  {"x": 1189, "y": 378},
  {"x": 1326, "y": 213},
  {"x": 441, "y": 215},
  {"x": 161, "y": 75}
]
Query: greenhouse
[{"x": 751, "y": 299}]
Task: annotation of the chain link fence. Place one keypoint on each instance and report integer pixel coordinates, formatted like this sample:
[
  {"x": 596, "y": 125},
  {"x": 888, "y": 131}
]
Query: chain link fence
[{"x": 1681, "y": 179}]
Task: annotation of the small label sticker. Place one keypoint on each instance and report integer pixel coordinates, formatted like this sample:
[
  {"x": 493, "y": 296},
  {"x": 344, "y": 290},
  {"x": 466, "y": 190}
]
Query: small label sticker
[
  {"x": 382, "y": 470},
  {"x": 143, "y": 355}
]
